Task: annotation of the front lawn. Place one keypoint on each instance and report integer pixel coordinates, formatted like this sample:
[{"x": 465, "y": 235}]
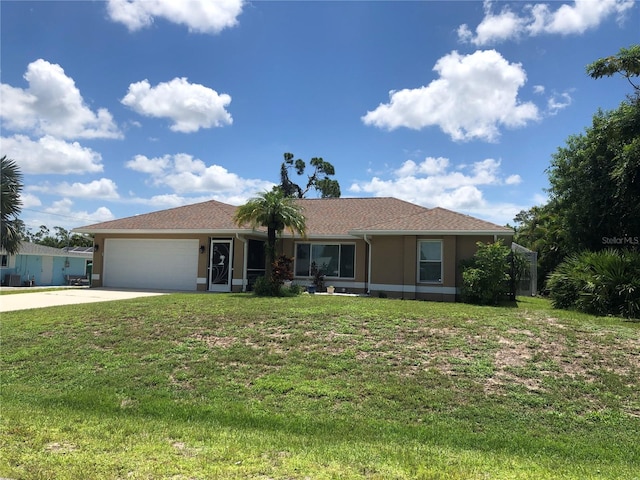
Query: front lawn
[{"x": 199, "y": 386}]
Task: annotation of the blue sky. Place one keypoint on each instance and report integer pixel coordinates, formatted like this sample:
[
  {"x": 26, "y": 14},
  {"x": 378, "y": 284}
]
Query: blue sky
[{"x": 118, "y": 108}]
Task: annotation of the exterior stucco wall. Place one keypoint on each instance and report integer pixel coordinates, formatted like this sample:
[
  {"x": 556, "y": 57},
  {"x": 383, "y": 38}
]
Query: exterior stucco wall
[
  {"x": 203, "y": 258},
  {"x": 388, "y": 260},
  {"x": 287, "y": 246},
  {"x": 394, "y": 268},
  {"x": 394, "y": 263}
]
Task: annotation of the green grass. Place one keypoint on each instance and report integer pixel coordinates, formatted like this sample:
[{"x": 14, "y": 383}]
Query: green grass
[{"x": 188, "y": 386}]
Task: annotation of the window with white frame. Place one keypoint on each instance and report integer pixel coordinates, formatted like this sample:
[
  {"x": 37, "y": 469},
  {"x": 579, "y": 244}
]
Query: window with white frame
[
  {"x": 4, "y": 260},
  {"x": 430, "y": 261},
  {"x": 332, "y": 260}
]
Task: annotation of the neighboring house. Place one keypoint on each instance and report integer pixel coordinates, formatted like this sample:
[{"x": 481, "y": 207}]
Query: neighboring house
[
  {"x": 364, "y": 245},
  {"x": 41, "y": 265}
]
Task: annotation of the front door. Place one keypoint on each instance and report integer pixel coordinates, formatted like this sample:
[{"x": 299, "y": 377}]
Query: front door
[
  {"x": 46, "y": 276},
  {"x": 220, "y": 265}
]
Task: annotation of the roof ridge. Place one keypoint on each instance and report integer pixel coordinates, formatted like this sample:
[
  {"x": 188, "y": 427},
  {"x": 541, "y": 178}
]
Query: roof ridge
[
  {"x": 352, "y": 198},
  {"x": 466, "y": 215},
  {"x": 156, "y": 212}
]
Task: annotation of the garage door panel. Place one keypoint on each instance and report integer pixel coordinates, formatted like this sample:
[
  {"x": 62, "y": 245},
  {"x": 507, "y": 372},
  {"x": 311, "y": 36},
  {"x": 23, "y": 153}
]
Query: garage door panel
[{"x": 153, "y": 264}]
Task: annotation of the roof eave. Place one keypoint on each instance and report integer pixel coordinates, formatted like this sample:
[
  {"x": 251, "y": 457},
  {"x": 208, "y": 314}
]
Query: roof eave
[
  {"x": 361, "y": 233},
  {"x": 327, "y": 236},
  {"x": 49, "y": 254},
  {"x": 167, "y": 231}
]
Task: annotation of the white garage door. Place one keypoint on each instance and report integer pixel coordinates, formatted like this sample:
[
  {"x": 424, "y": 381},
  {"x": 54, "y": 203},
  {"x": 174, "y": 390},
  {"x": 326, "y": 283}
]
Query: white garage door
[{"x": 153, "y": 264}]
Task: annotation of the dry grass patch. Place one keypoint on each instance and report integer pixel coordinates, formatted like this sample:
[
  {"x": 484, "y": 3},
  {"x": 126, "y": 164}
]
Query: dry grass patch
[{"x": 318, "y": 387}]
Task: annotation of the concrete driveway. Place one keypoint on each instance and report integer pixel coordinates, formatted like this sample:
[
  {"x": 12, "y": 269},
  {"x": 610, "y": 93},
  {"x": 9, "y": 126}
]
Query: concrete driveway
[{"x": 68, "y": 296}]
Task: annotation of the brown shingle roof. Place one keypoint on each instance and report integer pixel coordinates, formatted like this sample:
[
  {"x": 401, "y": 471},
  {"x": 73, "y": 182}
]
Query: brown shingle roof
[
  {"x": 331, "y": 217},
  {"x": 211, "y": 215},
  {"x": 438, "y": 220},
  {"x": 339, "y": 216}
]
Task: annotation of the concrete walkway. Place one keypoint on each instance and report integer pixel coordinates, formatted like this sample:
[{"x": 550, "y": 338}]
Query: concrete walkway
[{"x": 36, "y": 298}]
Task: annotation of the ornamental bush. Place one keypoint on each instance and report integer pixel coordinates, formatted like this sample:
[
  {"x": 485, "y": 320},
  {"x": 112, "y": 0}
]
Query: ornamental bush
[
  {"x": 265, "y": 287},
  {"x": 601, "y": 283},
  {"x": 485, "y": 277},
  {"x": 281, "y": 272}
]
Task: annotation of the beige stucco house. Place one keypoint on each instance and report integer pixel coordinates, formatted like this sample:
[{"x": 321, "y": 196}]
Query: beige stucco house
[{"x": 364, "y": 245}]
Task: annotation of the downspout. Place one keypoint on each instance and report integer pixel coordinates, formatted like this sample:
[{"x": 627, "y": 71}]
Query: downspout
[
  {"x": 368, "y": 242},
  {"x": 245, "y": 254}
]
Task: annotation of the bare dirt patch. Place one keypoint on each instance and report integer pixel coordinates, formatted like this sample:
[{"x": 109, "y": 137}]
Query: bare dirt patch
[
  {"x": 61, "y": 447},
  {"x": 215, "y": 341}
]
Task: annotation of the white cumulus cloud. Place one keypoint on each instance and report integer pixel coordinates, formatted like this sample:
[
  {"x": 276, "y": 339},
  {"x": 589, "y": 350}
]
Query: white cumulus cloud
[
  {"x": 185, "y": 174},
  {"x": 513, "y": 180},
  {"x": 190, "y": 106},
  {"x": 558, "y": 102},
  {"x": 63, "y": 213},
  {"x": 571, "y": 18},
  {"x": 53, "y": 105},
  {"x": 153, "y": 166},
  {"x": 64, "y": 207},
  {"x": 430, "y": 166},
  {"x": 30, "y": 200},
  {"x": 50, "y": 155},
  {"x": 172, "y": 200},
  {"x": 493, "y": 28},
  {"x": 201, "y": 16},
  {"x": 103, "y": 188},
  {"x": 435, "y": 183},
  {"x": 475, "y": 95}
]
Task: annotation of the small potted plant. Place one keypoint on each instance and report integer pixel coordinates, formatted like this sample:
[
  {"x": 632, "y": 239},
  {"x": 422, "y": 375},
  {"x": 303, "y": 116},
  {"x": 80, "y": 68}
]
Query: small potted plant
[
  {"x": 331, "y": 289},
  {"x": 317, "y": 279}
]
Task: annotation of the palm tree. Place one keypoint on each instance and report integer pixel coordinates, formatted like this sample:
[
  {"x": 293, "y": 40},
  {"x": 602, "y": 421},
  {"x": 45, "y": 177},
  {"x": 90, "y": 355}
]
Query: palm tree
[
  {"x": 10, "y": 205},
  {"x": 275, "y": 211}
]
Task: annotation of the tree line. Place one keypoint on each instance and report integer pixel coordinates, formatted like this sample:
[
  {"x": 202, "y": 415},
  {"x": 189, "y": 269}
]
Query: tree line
[
  {"x": 588, "y": 234},
  {"x": 59, "y": 238},
  {"x": 594, "y": 193}
]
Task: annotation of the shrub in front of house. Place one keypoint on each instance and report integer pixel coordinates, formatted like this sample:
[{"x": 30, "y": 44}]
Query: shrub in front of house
[
  {"x": 282, "y": 272},
  {"x": 264, "y": 287},
  {"x": 485, "y": 276},
  {"x": 601, "y": 283}
]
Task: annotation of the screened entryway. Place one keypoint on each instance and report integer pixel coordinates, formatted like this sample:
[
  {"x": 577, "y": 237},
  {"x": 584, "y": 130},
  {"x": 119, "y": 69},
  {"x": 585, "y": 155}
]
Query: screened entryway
[
  {"x": 220, "y": 265},
  {"x": 528, "y": 284},
  {"x": 255, "y": 262}
]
